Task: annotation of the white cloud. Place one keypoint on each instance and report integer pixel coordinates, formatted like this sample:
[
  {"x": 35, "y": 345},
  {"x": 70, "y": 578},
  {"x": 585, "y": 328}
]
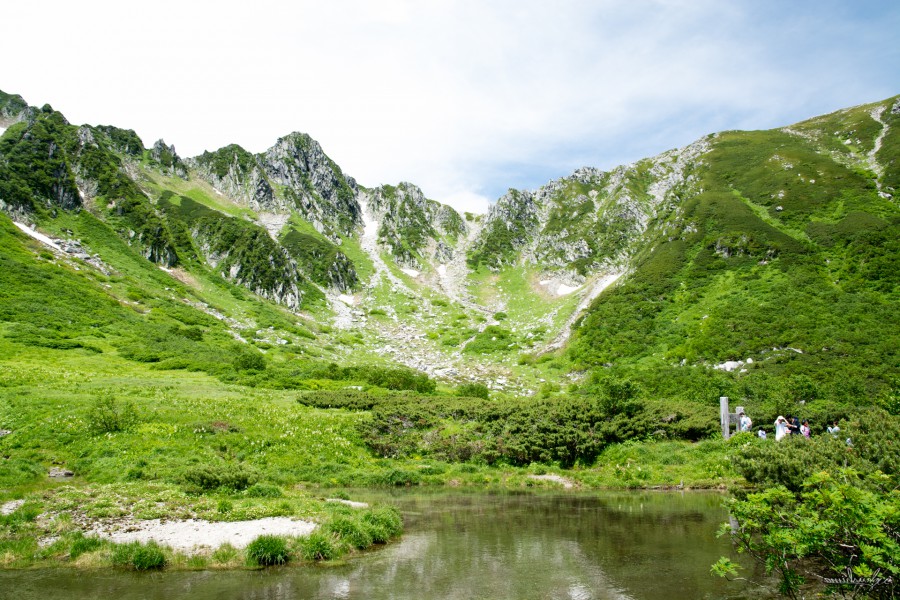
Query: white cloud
[
  {"x": 465, "y": 201},
  {"x": 462, "y": 98}
]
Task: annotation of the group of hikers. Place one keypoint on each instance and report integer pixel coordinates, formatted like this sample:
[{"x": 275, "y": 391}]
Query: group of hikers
[{"x": 784, "y": 427}]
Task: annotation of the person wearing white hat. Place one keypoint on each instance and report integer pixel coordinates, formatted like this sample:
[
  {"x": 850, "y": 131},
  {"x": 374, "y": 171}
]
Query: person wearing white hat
[{"x": 781, "y": 428}]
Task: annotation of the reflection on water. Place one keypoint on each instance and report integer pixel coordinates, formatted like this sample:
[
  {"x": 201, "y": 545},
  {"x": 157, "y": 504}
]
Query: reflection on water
[{"x": 463, "y": 545}]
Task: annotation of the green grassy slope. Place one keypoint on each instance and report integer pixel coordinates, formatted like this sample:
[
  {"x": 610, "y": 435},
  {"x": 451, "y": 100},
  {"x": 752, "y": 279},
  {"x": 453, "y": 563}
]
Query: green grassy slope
[{"x": 788, "y": 256}]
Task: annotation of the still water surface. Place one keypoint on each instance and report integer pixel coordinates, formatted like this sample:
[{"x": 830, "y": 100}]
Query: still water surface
[{"x": 471, "y": 545}]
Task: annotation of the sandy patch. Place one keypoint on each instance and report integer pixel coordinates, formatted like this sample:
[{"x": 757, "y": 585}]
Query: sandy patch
[
  {"x": 10, "y": 507},
  {"x": 197, "y": 533},
  {"x": 184, "y": 277},
  {"x": 274, "y": 223},
  {"x": 566, "y": 483},
  {"x": 352, "y": 503}
]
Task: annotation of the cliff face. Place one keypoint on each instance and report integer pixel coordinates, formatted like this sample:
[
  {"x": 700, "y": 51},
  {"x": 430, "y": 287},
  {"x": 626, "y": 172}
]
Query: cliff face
[
  {"x": 589, "y": 221},
  {"x": 239, "y": 175},
  {"x": 294, "y": 175},
  {"x": 316, "y": 186},
  {"x": 415, "y": 229}
]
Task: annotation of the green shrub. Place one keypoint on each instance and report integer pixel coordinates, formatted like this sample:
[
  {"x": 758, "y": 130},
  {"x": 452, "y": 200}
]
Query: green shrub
[
  {"x": 318, "y": 545},
  {"x": 350, "y": 530},
  {"x": 107, "y": 415},
  {"x": 205, "y": 478},
  {"x": 267, "y": 550},
  {"x": 138, "y": 556},
  {"x": 493, "y": 339},
  {"x": 473, "y": 390},
  {"x": 384, "y": 523},
  {"x": 249, "y": 361},
  {"x": 224, "y": 554},
  {"x": 790, "y": 462},
  {"x": 82, "y": 545},
  {"x": 840, "y": 526},
  {"x": 264, "y": 490}
]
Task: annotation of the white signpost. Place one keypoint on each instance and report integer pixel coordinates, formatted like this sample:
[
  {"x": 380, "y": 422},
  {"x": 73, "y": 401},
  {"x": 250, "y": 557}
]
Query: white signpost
[{"x": 727, "y": 418}]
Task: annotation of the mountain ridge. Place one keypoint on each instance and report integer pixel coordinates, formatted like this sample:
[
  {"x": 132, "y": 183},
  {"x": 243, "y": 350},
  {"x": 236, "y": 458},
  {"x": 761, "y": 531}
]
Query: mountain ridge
[{"x": 289, "y": 226}]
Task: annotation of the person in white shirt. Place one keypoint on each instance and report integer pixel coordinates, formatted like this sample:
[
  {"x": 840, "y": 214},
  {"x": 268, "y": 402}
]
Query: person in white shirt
[
  {"x": 781, "y": 428},
  {"x": 745, "y": 422}
]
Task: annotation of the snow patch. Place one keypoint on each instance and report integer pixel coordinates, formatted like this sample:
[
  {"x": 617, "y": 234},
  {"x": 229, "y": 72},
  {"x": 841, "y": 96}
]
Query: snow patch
[
  {"x": 38, "y": 236},
  {"x": 2, "y": 130},
  {"x": 347, "y": 299},
  {"x": 595, "y": 289},
  {"x": 410, "y": 272},
  {"x": 442, "y": 270},
  {"x": 557, "y": 288}
]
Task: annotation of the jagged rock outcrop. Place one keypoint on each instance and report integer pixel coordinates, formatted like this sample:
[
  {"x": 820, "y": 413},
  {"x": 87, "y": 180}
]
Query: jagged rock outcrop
[
  {"x": 168, "y": 160},
  {"x": 315, "y": 184},
  {"x": 413, "y": 227},
  {"x": 123, "y": 141},
  {"x": 510, "y": 225},
  {"x": 13, "y": 109},
  {"x": 245, "y": 254},
  {"x": 34, "y": 165},
  {"x": 240, "y": 175},
  {"x": 295, "y": 174},
  {"x": 587, "y": 222}
]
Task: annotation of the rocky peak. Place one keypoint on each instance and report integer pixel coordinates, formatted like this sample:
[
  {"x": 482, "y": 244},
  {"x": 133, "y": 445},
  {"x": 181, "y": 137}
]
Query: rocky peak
[
  {"x": 169, "y": 161},
  {"x": 314, "y": 183},
  {"x": 238, "y": 174},
  {"x": 510, "y": 224},
  {"x": 13, "y": 108},
  {"x": 588, "y": 221},
  {"x": 123, "y": 141}
]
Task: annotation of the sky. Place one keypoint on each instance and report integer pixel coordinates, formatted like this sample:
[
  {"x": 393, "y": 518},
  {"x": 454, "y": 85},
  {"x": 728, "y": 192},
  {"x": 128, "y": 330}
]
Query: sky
[{"x": 463, "y": 98}]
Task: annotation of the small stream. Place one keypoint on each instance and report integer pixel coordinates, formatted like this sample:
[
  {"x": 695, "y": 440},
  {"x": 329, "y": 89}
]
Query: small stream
[{"x": 466, "y": 545}]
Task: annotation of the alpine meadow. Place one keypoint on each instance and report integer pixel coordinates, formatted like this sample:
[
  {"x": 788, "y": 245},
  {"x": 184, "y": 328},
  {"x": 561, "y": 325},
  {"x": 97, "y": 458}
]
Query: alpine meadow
[{"x": 237, "y": 336}]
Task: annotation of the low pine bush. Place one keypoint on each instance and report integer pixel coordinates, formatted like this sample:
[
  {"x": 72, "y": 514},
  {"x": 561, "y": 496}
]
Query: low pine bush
[{"x": 264, "y": 490}]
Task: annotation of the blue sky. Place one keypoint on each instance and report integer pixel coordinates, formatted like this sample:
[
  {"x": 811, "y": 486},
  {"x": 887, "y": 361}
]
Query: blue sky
[{"x": 463, "y": 98}]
